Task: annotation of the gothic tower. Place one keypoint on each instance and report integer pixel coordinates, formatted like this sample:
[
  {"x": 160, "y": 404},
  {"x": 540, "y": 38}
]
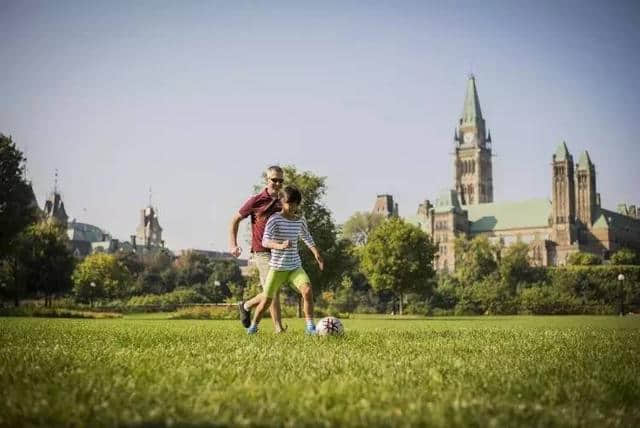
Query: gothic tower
[
  {"x": 586, "y": 189},
  {"x": 472, "y": 164},
  {"x": 563, "y": 199}
]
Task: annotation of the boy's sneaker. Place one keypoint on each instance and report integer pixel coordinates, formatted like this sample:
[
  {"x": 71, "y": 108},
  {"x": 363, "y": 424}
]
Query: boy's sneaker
[
  {"x": 245, "y": 315},
  {"x": 311, "y": 329},
  {"x": 252, "y": 329}
]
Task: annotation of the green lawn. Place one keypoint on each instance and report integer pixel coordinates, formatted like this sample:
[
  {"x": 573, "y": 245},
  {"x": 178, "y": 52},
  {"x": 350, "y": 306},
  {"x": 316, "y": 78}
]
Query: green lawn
[{"x": 485, "y": 371}]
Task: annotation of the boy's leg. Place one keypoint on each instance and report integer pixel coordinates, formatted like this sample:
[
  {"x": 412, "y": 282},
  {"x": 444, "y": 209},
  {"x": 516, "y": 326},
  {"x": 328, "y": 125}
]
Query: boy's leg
[
  {"x": 257, "y": 316},
  {"x": 300, "y": 280}
]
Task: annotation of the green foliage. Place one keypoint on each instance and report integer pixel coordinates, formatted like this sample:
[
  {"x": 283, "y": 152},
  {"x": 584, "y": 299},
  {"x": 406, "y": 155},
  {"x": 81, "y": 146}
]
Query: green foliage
[
  {"x": 17, "y": 209},
  {"x": 451, "y": 372},
  {"x": 599, "y": 284},
  {"x": 543, "y": 299},
  {"x": 322, "y": 227},
  {"x": 514, "y": 265},
  {"x": 206, "y": 313},
  {"x": 475, "y": 259},
  {"x": 360, "y": 225},
  {"x": 580, "y": 258},
  {"x": 398, "y": 257},
  {"x": 46, "y": 260},
  {"x": 179, "y": 296},
  {"x": 100, "y": 276},
  {"x": 625, "y": 256}
]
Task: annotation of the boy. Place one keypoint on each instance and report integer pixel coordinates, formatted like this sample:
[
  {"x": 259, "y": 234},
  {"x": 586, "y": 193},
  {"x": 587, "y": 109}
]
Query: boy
[{"x": 281, "y": 235}]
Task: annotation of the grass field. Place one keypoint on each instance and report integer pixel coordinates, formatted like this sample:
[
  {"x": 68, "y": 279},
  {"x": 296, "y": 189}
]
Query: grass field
[{"x": 485, "y": 371}]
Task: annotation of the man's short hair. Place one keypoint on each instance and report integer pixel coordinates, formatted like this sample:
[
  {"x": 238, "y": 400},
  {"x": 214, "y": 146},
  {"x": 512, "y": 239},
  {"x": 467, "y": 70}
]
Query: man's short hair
[{"x": 275, "y": 168}]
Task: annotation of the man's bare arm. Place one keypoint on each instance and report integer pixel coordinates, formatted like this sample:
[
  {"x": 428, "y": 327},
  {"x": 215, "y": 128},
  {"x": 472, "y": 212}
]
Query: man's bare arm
[{"x": 233, "y": 235}]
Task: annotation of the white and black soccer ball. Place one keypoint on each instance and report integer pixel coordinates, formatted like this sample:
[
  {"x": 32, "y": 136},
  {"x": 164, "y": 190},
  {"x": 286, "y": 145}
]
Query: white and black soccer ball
[{"x": 329, "y": 326}]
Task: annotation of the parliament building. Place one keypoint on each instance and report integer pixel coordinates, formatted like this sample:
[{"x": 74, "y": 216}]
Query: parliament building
[{"x": 572, "y": 220}]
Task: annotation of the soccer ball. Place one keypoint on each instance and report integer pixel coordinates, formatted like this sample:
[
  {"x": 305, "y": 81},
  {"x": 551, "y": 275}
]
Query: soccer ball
[{"x": 329, "y": 326}]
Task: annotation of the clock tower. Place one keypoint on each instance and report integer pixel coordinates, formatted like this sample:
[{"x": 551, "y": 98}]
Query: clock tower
[{"x": 472, "y": 156}]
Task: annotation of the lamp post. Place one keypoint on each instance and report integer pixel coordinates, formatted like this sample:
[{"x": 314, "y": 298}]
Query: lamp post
[
  {"x": 93, "y": 288},
  {"x": 621, "y": 294}
]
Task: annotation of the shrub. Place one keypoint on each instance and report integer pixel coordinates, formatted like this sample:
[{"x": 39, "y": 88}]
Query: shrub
[
  {"x": 206, "y": 312},
  {"x": 548, "y": 300}
]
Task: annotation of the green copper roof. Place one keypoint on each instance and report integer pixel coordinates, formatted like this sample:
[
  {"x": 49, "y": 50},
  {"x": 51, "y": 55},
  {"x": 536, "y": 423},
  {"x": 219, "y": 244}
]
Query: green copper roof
[
  {"x": 585, "y": 161},
  {"x": 562, "y": 153},
  {"x": 447, "y": 200},
  {"x": 418, "y": 221},
  {"x": 471, "y": 110},
  {"x": 509, "y": 215}
]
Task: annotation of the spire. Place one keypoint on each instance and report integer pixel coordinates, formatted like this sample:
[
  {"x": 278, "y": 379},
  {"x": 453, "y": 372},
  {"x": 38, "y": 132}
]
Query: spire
[
  {"x": 489, "y": 137},
  {"x": 562, "y": 153},
  {"x": 55, "y": 182},
  {"x": 471, "y": 111},
  {"x": 585, "y": 161}
]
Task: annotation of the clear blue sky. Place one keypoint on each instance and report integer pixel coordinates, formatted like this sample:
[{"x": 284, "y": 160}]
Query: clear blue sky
[{"x": 195, "y": 98}]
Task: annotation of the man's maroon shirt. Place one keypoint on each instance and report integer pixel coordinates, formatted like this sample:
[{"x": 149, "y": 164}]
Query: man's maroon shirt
[{"x": 259, "y": 207}]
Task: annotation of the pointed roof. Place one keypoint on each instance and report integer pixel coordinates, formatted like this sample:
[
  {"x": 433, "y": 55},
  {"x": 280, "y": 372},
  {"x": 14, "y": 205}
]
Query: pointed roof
[
  {"x": 471, "y": 111},
  {"x": 585, "y": 161},
  {"x": 562, "y": 153}
]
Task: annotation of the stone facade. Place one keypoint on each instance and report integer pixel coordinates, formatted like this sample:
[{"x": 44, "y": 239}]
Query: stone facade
[
  {"x": 573, "y": 220},
  {"x": 385, "y": 206},
  {"x": 149, "y": 232}
]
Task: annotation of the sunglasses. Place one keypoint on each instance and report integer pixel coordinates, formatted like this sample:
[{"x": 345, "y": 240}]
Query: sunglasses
[{"x": 277, "y": 180}]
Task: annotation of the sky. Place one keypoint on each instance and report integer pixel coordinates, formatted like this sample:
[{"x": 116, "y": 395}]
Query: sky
[{"x": 194, "y": 99}]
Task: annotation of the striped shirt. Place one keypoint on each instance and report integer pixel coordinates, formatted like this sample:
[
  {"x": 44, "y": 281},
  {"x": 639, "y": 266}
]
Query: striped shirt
[{"x": 282, "y": 229}]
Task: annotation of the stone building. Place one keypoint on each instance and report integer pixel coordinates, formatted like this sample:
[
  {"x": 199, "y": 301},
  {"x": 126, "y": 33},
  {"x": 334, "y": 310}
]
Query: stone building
[
  {"x": 149, "y": 232},
  {"x": 573, "y": 220},
  {"x": 385, "y": 206}
]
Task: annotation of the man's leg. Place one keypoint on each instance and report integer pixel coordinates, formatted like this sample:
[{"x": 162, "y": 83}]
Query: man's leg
[
  {"x": 274, "y": 280},
  {"x": 261, "y": 260}
]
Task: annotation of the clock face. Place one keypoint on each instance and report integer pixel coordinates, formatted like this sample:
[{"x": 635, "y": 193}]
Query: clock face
[{"x": 468, "y": 137}]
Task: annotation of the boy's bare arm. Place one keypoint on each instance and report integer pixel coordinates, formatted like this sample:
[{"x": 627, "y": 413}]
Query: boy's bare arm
[
  {"x": 276, "y": 245},
  {"x": 318, "y": 257}
]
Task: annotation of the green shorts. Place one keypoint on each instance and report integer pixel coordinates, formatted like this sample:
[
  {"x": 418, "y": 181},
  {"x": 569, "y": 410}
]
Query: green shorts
[{"x": 275, "y": 279}]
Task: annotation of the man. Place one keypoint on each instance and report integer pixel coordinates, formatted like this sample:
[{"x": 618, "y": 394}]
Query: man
[{"x": 260, "y": 207}]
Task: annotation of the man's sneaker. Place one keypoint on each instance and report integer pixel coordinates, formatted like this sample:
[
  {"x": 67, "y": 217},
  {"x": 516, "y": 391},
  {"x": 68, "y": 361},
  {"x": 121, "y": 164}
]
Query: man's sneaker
[
  {"x": 311, "y": 329},
  {"x": 252, "y": 330},
  {"x": 245, "y": 315}
]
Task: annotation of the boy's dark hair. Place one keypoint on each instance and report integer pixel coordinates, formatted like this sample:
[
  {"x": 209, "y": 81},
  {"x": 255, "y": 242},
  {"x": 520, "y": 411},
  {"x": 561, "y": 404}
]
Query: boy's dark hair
[{"x": 291, "y": 194}]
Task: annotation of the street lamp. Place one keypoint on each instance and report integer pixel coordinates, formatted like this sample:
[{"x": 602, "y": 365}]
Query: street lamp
[
  {"x": 93, "y": 286},
  {"x": 620, "y": 294}
]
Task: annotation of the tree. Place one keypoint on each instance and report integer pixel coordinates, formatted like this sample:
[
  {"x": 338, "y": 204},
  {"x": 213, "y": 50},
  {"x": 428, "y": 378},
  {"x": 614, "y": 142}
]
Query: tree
[
  {"x": 100, "y": 275},
  {"x": 514, "y": 265},
  {"x": 625, "y": 256},
  {"x": 583, "y": 259},
  {"x": 398, "y": 257},
  {"x": 475, "y": 259},
  {"x": 17, "y": 209},
  {"x": 360, "y": 225},
  {"x": 193, "y": 269},
  {"x": 322, "y": 227},
  {"x": 47, "y": 259}
]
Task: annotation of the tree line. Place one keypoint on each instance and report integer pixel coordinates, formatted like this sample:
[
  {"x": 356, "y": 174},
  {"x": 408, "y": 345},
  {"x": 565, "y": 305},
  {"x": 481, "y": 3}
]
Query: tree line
[{"x": 373, "y": 264}]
